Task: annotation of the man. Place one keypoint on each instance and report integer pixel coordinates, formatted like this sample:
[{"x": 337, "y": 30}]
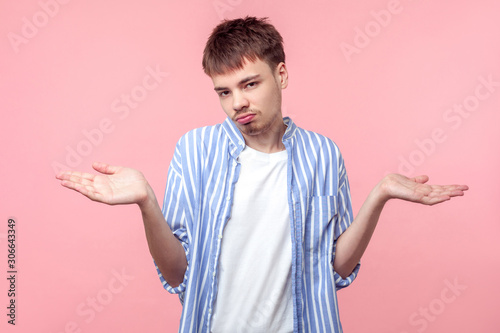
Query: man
[{"x": 259, "y": 231}]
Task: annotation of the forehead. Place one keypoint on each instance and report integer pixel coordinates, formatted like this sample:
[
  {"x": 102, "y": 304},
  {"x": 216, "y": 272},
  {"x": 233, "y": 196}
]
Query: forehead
[{"x": 258, "y": 67}]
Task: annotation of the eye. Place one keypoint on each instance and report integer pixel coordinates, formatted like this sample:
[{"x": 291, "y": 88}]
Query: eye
[
  {"x": 223, "y": 93},
  {"x": 251, "y": 84}
]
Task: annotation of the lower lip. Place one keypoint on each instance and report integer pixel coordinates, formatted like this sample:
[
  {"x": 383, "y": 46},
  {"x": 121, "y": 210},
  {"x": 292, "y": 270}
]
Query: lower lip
[{"x": 246, "y": 119}]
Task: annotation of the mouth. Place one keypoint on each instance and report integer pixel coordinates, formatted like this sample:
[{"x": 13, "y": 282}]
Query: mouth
[{"x": 245, "y": 118}]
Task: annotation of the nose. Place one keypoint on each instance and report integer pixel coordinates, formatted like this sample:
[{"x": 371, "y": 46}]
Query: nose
[{"x": 239, "y": 101}]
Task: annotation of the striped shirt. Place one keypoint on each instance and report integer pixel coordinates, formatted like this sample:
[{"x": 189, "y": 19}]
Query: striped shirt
[{"x": 197, "y": 205}]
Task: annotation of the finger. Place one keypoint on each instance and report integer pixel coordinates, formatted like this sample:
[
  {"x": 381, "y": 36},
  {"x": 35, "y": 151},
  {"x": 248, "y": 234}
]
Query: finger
[
  {"x": 88, "y": 191},
  {"x": 78, "y": 178},
  {"x": 445, "y": 193},
  {"x": 105, "y": 168},
  {"x": 85, "y": 190},
  {"x": 445, "y": 189},
  {"x": 68, "y": 175},
  {"x": 456, "y": 193},
  {"x": 435, "y": 200},
  {"x": 63, "y": 174},
  {"x": 454, "y": 186},
  {"x": 421, "y": 179}
]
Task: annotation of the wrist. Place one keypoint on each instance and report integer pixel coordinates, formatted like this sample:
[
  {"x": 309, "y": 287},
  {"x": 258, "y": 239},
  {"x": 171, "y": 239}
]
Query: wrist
[
  {"x": 381, "y": 192},
  {"x": 148, "y": 200}
]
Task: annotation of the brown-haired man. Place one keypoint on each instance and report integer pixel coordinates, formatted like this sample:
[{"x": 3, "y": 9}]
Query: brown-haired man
[{"x": 256, "y": 232}]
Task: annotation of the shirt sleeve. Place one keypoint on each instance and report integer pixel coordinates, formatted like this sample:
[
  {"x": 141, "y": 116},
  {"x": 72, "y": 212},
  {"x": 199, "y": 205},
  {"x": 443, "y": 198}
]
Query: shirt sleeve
[
  {"x": 174, "y": 211},
  {"x": 344, "y": 219}
]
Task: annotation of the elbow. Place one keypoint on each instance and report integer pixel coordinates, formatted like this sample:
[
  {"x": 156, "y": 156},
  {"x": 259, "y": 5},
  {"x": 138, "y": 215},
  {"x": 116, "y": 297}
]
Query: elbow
[
  {"x": 343, "y": 274},
  {"x": 173, "y": 272},
  {"x": 344, "y": 270},
  {"x": 174, "y": 279}
]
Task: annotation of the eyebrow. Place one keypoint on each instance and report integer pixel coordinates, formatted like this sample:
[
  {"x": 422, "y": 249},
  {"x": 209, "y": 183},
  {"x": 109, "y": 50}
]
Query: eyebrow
[{"x": 242, "y": 82}]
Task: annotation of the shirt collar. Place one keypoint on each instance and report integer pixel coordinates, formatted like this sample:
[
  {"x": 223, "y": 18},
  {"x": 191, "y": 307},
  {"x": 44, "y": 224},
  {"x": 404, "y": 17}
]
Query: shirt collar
[
  {"x": 237, "y": 142},
  {"x": 290, "y": 129}
]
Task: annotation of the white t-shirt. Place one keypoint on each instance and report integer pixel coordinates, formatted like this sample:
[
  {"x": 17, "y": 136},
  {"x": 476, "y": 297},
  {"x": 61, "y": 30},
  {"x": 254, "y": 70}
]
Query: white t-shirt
[{"x": 254, "y": 287}]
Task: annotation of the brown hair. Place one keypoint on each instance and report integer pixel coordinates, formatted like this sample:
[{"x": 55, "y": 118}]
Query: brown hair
[{"x": 233, "y": 41}]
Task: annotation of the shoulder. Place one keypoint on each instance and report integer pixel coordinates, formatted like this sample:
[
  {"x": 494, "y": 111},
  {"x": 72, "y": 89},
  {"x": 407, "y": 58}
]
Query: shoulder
[
  {"x": 200, "y": 136},
  {"x": 200, "y": 146},
  {"x": 312, "y": 140}
]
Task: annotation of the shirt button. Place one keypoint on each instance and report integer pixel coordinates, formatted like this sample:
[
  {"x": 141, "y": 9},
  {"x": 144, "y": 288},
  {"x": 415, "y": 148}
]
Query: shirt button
[
  {"x": 209, "y": 310},
  {"x": 228, "y": 198},
  {"x": 240, "y": 143},
  {"x": 220, "y": 236}
]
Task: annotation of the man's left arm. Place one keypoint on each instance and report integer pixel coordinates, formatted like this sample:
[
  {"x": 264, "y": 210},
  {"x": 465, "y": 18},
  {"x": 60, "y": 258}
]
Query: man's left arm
[{"x": 353, "y": 242}]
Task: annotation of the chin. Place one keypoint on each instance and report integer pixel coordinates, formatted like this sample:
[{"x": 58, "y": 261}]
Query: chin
[{"x": 252, "y": 129}]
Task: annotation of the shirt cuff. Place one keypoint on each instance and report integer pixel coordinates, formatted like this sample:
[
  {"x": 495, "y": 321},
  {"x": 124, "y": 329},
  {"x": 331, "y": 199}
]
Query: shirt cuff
[{"x": 341, "y": 282}]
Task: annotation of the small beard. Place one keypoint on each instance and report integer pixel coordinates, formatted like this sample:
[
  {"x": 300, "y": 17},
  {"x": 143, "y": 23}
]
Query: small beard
[{"x": 250, "y": 129}]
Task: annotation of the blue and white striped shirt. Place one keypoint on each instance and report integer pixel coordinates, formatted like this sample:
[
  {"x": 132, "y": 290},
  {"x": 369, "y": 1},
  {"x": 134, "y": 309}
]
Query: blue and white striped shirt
[{"x": 197, "y": 205}]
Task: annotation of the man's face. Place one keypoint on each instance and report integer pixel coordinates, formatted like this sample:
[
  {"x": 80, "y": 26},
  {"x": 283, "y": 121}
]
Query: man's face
[{"x": 251, "y": 97}]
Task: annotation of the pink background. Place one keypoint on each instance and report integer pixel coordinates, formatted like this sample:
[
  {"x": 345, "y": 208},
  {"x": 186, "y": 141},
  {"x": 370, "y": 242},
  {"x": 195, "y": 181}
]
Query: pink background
[{"x": 387, "y": 100}]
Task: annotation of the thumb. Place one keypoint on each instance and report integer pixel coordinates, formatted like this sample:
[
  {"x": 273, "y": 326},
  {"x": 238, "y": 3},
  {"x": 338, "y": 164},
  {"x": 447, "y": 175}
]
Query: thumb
[
  {"x": 105, "y": 168},
  {"x": 421, "y": 179}
]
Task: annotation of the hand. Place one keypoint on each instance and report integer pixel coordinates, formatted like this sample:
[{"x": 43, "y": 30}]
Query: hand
[
  {"x": 117, "y": 185},
  {"x": 396, "y": 186}
]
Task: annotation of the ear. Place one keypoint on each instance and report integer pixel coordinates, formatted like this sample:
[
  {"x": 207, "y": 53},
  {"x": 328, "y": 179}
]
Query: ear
[{"x": 282, "y": 75}]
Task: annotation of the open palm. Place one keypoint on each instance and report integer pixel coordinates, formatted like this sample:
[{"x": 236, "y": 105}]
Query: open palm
[
  {"x": 115, "y": 185},
  {"x": 416, "y": 190}
]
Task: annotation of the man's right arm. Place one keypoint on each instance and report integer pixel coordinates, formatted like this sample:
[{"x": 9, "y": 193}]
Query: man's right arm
[{"x": 120, "y": 186}]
